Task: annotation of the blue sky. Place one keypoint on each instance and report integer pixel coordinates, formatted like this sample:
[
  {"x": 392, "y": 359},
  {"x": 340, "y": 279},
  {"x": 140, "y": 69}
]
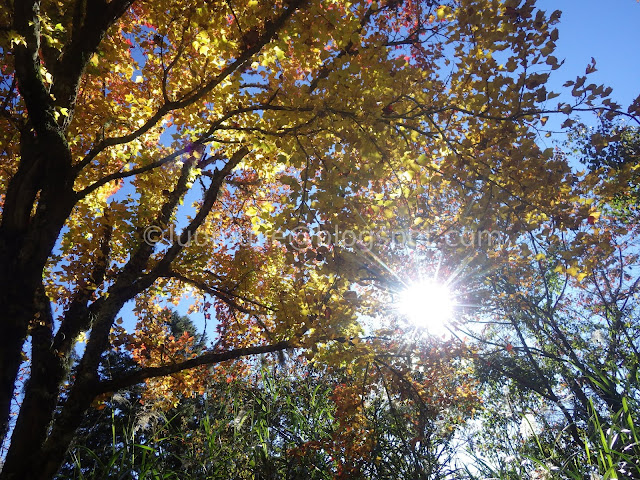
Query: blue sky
[{"x": 607, "y": 31}]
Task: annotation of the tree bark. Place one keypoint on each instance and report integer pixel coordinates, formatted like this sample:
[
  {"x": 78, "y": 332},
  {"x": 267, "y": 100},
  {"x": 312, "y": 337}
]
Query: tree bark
[{"x": 25, "y": 244}]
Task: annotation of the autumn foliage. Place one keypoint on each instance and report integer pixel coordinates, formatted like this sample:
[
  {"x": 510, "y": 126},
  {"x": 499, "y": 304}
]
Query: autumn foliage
[{"x": 191, "y": 151}]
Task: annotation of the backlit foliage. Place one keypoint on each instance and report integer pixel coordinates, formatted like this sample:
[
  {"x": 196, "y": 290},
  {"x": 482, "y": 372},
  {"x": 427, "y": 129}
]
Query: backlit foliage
[{"x": 155, "y": 151}]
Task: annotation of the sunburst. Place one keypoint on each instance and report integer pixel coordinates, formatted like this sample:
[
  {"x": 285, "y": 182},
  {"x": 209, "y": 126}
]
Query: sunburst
[{"x": 428, "y": 304}]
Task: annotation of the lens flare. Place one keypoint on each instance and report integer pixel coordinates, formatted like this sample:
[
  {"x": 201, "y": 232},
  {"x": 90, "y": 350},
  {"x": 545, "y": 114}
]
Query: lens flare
[{"x": 427, "y": 304}]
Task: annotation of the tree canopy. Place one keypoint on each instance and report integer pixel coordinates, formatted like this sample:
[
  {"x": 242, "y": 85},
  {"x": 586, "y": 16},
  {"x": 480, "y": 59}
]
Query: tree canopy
[{"x": 288, "y": 166}]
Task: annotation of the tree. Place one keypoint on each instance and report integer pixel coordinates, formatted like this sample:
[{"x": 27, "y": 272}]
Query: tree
[
  {"x": 561, "y": 344},
  {"x": 612, "y": 150},
  {"x": 148, "y": 143}
]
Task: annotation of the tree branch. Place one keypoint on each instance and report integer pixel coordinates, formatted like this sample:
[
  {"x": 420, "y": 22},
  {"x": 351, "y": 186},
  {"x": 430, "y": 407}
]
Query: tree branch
[
  {"x": 76, "y": 318},
  {"x": 224, "y": 295},
  {"x": 89, "y": 28},
  {"x": 27, "y": 66},
  {"x": 163, "y": 266},
  {"x": 204, "y": 138},
  {"x": 270, "y": 32},
  {"x": 204, "y": 359}
]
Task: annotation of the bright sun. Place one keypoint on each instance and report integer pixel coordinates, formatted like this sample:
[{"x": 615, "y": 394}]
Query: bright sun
[{"x": 428, "y": 304}]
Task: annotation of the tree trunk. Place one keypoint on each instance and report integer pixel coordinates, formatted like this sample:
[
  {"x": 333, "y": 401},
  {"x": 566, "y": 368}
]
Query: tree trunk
[
  {"x": 14, "y": 333},
  {"x": 39, "y": 199}
]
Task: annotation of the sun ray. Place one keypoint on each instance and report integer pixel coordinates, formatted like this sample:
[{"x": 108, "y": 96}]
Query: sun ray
[{"x": 428, "y": 304}]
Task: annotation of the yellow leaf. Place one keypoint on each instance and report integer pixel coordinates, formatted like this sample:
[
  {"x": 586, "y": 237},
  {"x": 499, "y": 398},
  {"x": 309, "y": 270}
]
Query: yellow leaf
[
  {"x": 279, "y": 53},
  {"x": 573, "y": 271},
  {"x": 251, "y": 212}
]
